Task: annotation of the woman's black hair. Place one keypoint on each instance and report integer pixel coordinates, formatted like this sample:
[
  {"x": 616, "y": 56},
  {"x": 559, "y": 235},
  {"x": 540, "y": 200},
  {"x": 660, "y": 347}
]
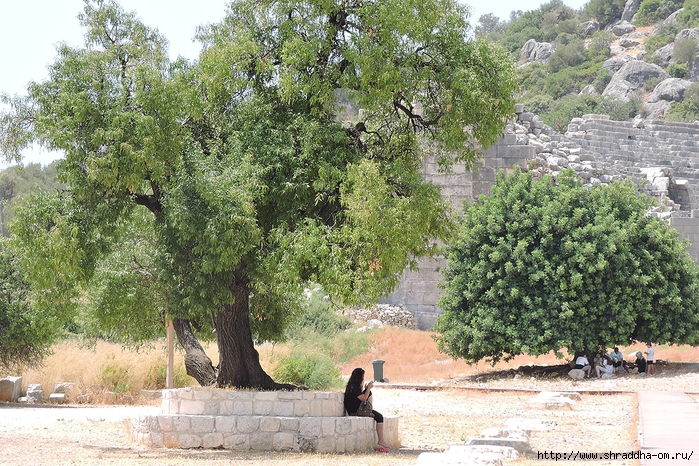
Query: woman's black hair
[{"x": 354, "y": 384}]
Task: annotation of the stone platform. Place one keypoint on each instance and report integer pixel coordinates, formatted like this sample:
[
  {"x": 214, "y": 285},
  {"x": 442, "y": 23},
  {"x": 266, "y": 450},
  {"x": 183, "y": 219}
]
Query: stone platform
[{"x": 262, "y": 421}]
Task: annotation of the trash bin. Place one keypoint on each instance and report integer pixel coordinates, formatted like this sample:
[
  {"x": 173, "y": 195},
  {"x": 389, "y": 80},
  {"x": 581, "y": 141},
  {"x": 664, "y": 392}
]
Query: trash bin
[{"x": 378, "y": 370}]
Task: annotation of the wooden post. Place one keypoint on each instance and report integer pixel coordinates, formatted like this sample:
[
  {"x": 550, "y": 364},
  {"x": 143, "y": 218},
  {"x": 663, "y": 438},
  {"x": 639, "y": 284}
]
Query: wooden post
[{"x": 170, "y": 369}]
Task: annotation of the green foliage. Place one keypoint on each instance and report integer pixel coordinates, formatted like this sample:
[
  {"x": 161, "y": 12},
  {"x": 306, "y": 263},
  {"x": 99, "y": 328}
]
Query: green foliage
[
  {"x": 663, "y": 36},
  {"x": 652, "y": 11},
  {"x": 561, "y": 111},
  {"x": 650, "y": 84},
  {"x": 308, "y": 369},
  {"x": 527, "y": 26},
  {"x": 157, "y": 375},
  {"x": 602, "y": 80},
  {"x": 678, "y": 70},
  {"x": 605, "y": 11},
  {"x": 689, "y": 18},
  {"x": 232, "y": 179},
  {"x": 17, "y": 182},
  {"x": 685, "y": 52},
  {"x": 540, "y": 266},
  {"x": 490, "y": 27},
  {"x": 598, "y": 48},
  {"x": 26, "y": 333},
  {"x": 116, "y": 378},
  {"x": 687, "y": 110},
  {"x": 318, "y": 316},
  {"x": 567, "y": 55}
]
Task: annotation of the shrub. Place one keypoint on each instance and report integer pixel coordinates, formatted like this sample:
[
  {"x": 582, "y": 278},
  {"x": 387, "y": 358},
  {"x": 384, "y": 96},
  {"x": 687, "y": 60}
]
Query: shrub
[
  {"x": 116, "y": 378},
  {"x": 309, "y": 369},
  {"x": 685, "y": 52},
  {"x": 652, "y": 11},
  {"x": 156, "y": 376},
  {"x": 318, "y": 316},
  {"x": 678, "y": 70},
  {"x": 602, "y": 80},
  {"x": 688, "y": 109},
  {"x": 605, "y": 11},
  {"x": 650, "y": 83},
  {"x": 598, "y": 48}
]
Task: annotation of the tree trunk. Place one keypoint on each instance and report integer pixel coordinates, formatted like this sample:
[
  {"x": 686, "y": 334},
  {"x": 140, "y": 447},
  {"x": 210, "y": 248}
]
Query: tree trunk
[
  {"x": 239, "y": 361},
  {"x": 196, "y": 361}
]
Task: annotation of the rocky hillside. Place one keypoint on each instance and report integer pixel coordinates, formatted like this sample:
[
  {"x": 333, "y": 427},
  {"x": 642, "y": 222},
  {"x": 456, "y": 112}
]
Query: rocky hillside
[{"x": 619, "y": 65}]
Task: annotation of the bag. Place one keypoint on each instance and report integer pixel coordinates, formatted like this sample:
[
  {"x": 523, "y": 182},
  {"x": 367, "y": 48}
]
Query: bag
[{"x": 365, "y": 409}]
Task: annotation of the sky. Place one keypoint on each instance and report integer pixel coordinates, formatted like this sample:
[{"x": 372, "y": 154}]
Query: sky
[{"x": 30, "y": 31}]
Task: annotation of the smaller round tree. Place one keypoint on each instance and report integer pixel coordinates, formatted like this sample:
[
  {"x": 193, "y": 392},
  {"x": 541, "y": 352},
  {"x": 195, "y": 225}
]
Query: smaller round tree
[{"x": 540, "y": 266}]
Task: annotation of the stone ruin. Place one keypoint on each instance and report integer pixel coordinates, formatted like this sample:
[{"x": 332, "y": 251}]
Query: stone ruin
[
  {"x": 661, "y": 157},
  {"x": 261, "y": 421}
]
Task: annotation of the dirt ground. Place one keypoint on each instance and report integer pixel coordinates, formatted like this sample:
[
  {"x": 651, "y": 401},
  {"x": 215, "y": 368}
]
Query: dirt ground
[{"x": 430, "y": 420}]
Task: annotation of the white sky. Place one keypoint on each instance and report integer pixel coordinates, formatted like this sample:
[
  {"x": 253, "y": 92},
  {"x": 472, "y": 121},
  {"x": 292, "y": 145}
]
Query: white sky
[{"x": 30, "y": 30}]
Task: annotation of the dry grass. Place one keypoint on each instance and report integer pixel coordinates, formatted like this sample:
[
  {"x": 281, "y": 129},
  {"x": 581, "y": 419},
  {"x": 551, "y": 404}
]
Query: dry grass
[{"x": 411, "y": 357}]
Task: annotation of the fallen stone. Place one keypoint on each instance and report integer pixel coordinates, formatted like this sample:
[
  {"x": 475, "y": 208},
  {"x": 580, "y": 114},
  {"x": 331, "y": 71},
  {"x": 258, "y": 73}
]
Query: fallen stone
[
  {"x": 67, "y": 388},
  {"x": 83, "y": 399},
  {"x": 35, "y": 394},
  {"x": 576, "y": 374},
  {"x": 441, "y": 459},
  {"x": 10, "y": 389},
  {"x": 521, "y": 445},
  {"x": 483, "y": 451},
  {"x": 57, "y": 398}
]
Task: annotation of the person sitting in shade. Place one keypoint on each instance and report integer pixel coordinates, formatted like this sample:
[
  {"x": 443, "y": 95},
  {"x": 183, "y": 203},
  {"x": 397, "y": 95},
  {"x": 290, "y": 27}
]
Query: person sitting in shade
[
  {"x": 640, "y": 363},
  {"x": 582, "y": 363},
  {"x": 618, "y": 360}
]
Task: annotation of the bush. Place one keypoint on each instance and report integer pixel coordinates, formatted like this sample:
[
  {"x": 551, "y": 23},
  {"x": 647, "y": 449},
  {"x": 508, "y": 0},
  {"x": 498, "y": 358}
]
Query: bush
[
  {"x": 649, "y": 84},
  {"x": 308, "y": 369},
  {"x": 605, "y": 11},
  {"x": 685, "y": 52},
  {"x": 156, "y": 377},
  {"x": 687, "y": 110},
  {"x": 602, "y": 80},
  {"x": 598, "y": 48},
  {"x": 116, "y": 378},
  {"x": 678, "y": 70},
  {"x": 318, "y": 317},
  {"x": 652, "y": 11},
  {"x": 661, "y": 38}
]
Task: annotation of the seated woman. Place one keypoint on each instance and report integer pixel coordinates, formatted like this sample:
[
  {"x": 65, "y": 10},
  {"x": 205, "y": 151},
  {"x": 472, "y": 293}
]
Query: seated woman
[
  {"x": 355, "y": 395},
  {"x": 640, "y": 363}
]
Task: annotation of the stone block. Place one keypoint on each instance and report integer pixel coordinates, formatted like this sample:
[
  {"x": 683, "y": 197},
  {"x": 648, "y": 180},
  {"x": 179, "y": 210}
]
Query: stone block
[
  {"x": 269, "y": 424},
  {"x": 212, "y": 440},
  {"x": 326, "y": 444},
  {"x": 188, "y": 441},
  {"x": 59, "y": 398},
  {"x": 498, "y": 432},
  {"x": 484, "y": 452},
  {"x": 284, "y": 408},
  {"x": 224, "y": 424},
  {"x": 236, "y": 442},
  {"x": 202, "y": 395},
  {"x": 247, "y": 424},
  {"x": 283, "y": 441},
  {"x": 262, "y": 441},
  {"x": 35, "y": 394},
  {"x": 202, "y": 424},
  {"x": 521, "y": 445},
  {"x": 166, "y": 423},
  {"x": 289, "y": 424},
  {"x": 262, "y": 408},
  {"x": 242, "y": 408},
  {"x": 181, "y": 423},
  {"x": 192, "y": 407},
  {"x": 10, "y": 389},
  {"x": 310, "y": 427},
  {"x": 327, "y": 426}
]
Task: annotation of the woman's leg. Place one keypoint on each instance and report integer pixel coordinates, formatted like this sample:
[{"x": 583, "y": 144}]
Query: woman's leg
[{"x": 379, "y": 432}]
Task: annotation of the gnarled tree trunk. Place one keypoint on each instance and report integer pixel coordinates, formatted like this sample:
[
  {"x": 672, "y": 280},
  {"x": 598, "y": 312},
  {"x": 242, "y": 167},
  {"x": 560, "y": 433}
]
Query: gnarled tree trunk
[
  {"x": 239, "y": 361},
  {"x": 196, "y": 361}
]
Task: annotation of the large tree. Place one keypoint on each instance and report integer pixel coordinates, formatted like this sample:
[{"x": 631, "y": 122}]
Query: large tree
[
  {"x": 540, "y": 267},
  {"x": 253, "y": 184}
]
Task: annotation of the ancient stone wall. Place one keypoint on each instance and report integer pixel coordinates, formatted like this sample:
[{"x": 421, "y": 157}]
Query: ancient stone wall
[{"x": 661, "y": 157}]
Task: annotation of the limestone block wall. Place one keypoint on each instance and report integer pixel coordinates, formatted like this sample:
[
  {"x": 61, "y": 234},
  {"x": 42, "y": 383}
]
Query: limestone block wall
[
  {"x": 262, "y": 421},
  {"x": 661, "y": 157},
  {"x": 419, "y": 290}
]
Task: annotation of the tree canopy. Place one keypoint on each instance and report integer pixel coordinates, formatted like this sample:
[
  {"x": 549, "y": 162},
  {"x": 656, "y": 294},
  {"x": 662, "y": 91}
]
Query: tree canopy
[
  {"x": 541, "y": 267},
  {"x": 252, "y": 184}
]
